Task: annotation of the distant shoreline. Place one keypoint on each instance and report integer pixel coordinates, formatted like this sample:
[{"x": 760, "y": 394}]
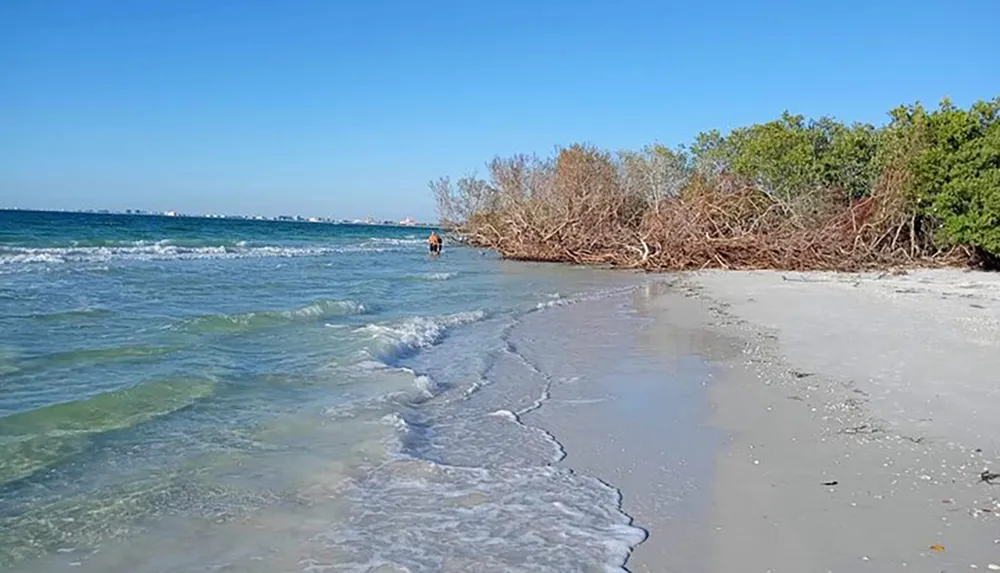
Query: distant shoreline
[{"x": 248, "y": 218}]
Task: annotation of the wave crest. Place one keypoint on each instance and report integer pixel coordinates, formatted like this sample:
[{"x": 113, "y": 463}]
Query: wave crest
[
  {"x": 432, "y": 277},
  {"x": 167, "y": 250},
  {"x": 234, "y": 323},
  {"x": 397, "y": 340}
]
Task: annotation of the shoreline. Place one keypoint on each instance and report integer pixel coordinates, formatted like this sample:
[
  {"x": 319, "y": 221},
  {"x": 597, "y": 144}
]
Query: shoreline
[
  {"x": 618, "y": 417},
  {"x": 742, "y": 420},
  {"x": 830, "y": 437}
]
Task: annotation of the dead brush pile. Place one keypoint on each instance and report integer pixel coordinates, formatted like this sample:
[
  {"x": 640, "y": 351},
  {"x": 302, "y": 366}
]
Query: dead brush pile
[
  {"x": 586, "y": 207},
  {"x": 734, "y": 226}
]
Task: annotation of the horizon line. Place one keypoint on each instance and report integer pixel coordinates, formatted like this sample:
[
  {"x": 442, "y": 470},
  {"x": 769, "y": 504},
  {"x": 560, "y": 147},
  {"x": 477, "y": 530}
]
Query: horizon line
[{"x": 242, "y": 217}]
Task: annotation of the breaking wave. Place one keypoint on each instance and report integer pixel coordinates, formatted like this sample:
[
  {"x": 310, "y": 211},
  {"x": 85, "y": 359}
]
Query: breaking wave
[
  {"x": 391, "y": 342},
  {"x": 234, "y": 323},
  {"x": 432, "y": 277},
  {"x": 168, "y": 250},
  {"x": 469, "y": 485}
]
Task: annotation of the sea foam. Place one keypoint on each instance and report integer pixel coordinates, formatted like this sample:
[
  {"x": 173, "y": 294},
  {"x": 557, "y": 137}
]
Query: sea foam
[
  {"x": 165, "y": 250},
  {"x": 393, "y": 341}
]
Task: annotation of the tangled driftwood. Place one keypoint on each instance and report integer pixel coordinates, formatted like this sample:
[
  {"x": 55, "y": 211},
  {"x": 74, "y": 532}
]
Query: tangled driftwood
[{"x": 576, "y": 210}]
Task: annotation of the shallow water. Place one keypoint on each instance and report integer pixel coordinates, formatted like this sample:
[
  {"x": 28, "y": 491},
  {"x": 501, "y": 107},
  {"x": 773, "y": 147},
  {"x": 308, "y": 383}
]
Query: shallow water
[{"x": 193, "y": 395}]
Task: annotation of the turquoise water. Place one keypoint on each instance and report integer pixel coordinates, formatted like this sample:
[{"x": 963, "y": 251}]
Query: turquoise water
[{"x": 182, "y": 394}]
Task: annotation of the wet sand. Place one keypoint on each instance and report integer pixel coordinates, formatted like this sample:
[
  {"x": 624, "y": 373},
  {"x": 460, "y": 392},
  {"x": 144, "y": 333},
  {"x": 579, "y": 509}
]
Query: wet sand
[
  {"x": 848, "y": 421},
  {"x": 632, "y": 410}
]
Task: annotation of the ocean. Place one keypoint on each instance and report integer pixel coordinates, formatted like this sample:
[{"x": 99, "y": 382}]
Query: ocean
[{"x": 187, "y": 394}]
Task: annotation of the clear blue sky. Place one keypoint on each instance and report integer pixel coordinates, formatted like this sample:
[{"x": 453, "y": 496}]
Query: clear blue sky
[{"x": 349, "y": 108}]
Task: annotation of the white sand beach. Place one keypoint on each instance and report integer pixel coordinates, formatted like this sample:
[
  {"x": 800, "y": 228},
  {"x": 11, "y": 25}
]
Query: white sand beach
[{"x": 856, "y": 415}]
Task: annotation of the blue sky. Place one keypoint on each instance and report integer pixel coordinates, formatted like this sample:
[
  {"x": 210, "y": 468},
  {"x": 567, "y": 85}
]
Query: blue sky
[{"x": 319, "y": 107}]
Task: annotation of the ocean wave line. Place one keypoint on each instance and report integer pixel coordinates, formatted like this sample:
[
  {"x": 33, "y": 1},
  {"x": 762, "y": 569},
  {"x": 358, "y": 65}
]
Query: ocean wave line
[
  {"x": 164, "y": 252},
  {"x": 233, "y": 323},
  {"x": 393, "y": 341}
]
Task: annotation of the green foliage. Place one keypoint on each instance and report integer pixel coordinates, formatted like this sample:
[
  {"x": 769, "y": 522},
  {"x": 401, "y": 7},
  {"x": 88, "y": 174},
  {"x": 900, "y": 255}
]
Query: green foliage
[
  {"x": 790, "y": 157},
  {"x": 938, "y": 171},
  {"x": 848, "y": 160},
  {"x": 953, "y": 156},
  {"x": 712, "y": 153},
  {"x": 780, "y": 156}
]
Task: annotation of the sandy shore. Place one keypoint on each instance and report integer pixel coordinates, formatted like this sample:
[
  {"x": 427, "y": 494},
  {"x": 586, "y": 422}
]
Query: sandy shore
[
  {"x": 886, "y": 385},
  {"x": 848, "y": 419}
]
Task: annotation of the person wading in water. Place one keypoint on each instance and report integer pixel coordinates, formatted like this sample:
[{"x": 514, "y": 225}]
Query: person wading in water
[{"x": 435, "y": 243}]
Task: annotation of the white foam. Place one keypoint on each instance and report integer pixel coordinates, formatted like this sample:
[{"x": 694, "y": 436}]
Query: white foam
[
  {"x": 427, "y": 385},
  {"x": 396, "y": 242},
  {"x": 505, "y": 414},
  {"x": 474, "y": 387},
  {"x": 415, "y": 515},
  {"x": 164, "y": 250},
  {"x": 444, "y": 276},
  {"x": 438, "y": 276},
  {"x": 473, "y": 487},
  {"x": 397, "y": 421},
  {"x": 29, "y": 257},
  {"x": 395, "y": 340},
  {"x": 560, "y": 300},
  {"x": 327, "y": 307},
  {"x": 421, "y": 387}
]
